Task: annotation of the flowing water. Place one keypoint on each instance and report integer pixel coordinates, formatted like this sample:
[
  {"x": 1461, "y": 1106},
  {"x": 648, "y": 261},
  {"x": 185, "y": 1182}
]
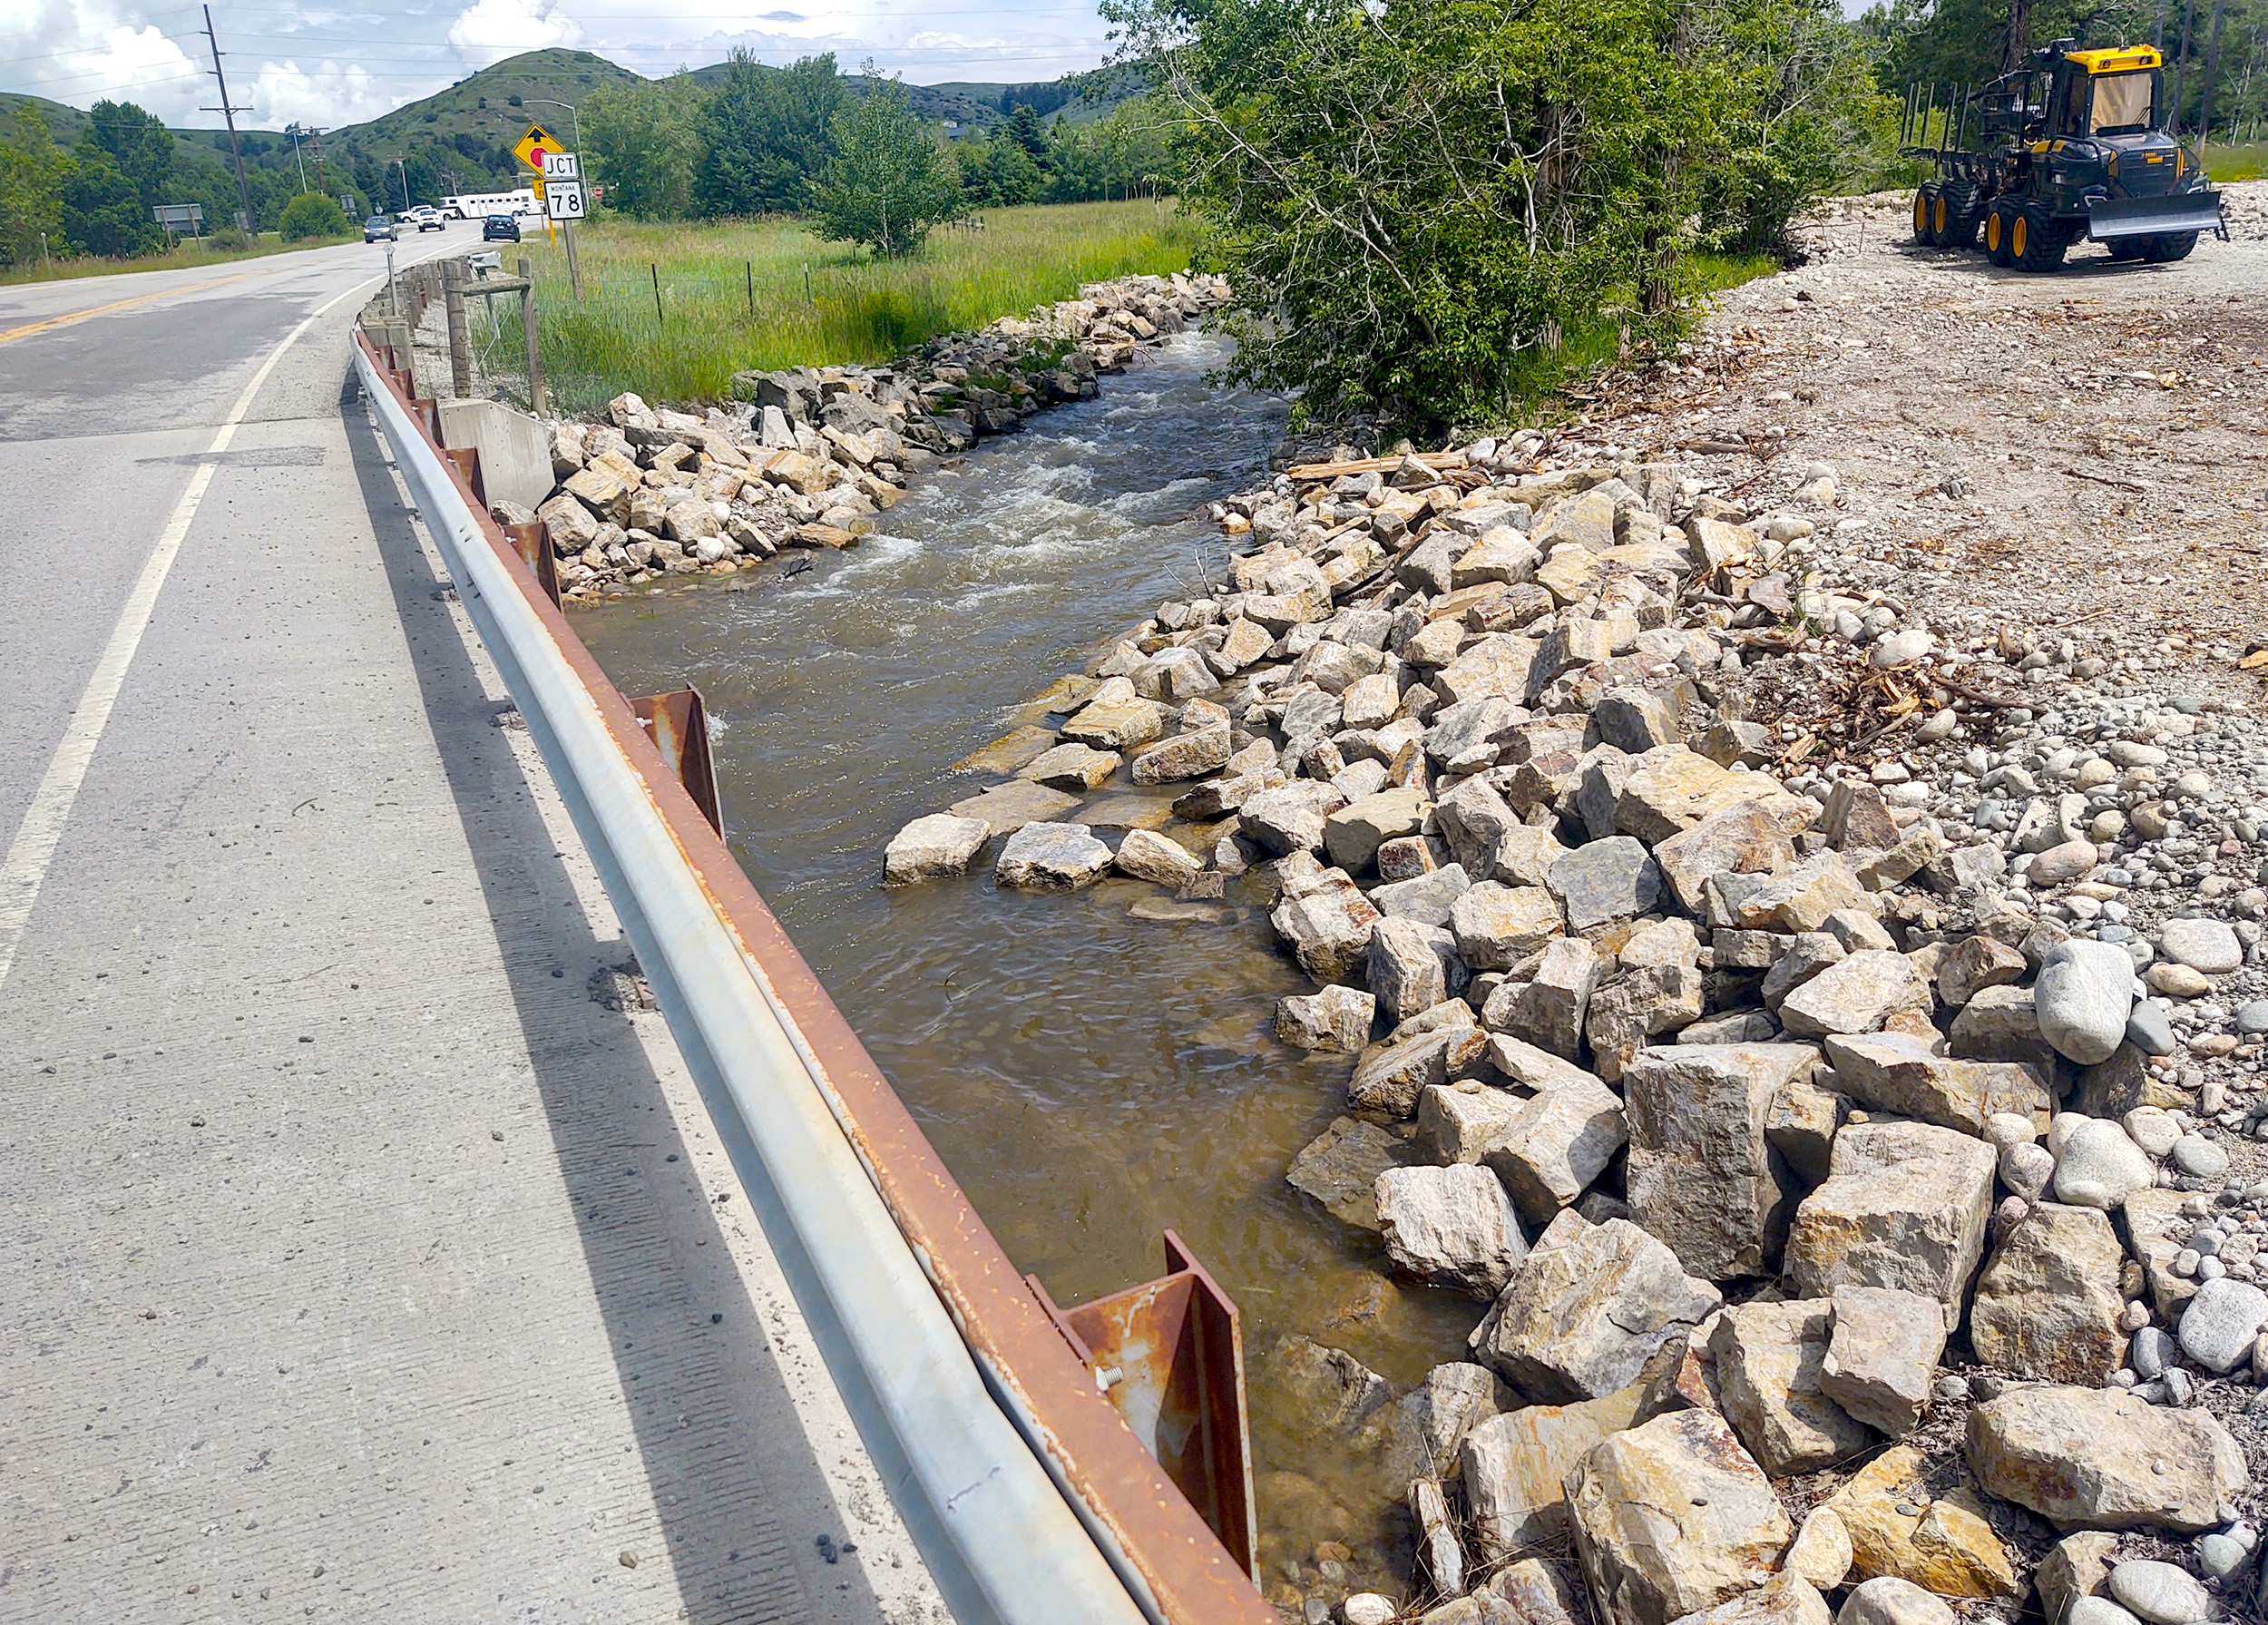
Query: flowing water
[{"x": 1092, "y": 1077}]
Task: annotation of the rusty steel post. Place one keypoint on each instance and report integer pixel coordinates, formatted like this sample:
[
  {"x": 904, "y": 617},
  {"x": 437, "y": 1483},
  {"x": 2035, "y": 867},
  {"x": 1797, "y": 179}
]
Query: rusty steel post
[
  {"x": 678, "y": 724},
  {"x": 466, "y": 461},
  {"x": 533, "y": 541}
]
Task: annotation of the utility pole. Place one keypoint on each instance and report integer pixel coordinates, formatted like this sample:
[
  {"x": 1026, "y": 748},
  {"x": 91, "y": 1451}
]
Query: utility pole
[
  {"x": 292, "y": 129},
  {"x": 404, "y": 167},
  {"x": 228, "y": 112},
  {"x": 316, "y": 132}
]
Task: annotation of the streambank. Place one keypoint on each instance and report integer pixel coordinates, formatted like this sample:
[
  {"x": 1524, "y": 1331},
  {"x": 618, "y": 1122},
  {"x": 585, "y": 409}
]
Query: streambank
[{"x": 810, "y": 458}]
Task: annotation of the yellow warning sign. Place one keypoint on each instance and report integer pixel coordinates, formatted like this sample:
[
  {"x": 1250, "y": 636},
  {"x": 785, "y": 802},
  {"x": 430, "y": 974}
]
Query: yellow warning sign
[{"x": 533, "y": 145}]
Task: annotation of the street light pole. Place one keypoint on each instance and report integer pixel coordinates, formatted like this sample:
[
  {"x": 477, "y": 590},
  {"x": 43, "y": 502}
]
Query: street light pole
[
  {"x": 404, "y": 167},
  {"x": 292, "y": 129},
  {"x": 574, "y": 123}
]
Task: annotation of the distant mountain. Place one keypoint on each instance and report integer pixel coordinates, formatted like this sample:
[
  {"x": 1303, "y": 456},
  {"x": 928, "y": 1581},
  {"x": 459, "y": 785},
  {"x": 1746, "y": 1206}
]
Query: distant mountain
[{"x": 461, "y": 139}]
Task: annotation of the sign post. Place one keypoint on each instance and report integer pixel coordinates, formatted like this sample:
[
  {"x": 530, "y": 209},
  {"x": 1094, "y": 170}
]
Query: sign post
[{"x": 563, "y": 202}]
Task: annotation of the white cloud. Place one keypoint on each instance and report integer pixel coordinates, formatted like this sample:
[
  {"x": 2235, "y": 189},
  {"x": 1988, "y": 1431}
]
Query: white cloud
[
  {"x": 82, "y": 50},
  {"x": 328, "y": 94},
  {"x": 491, "y": 30}
]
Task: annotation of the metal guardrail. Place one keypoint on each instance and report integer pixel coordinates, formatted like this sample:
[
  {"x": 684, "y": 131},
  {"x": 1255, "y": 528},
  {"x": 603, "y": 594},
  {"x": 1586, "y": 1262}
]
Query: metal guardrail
[{"x": 1030, "y": 1497}]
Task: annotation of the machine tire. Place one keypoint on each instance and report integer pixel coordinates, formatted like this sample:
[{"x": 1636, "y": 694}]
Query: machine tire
[
  {"x": 1955, "y": 216},
  {"x": 1999, "y": 232},
  {"x": 2124, "y": 248},
  {"x": 2168, "y": 247},
  {"x": 1924, "y": 214},
  {"x": 2037, "y": 242}
]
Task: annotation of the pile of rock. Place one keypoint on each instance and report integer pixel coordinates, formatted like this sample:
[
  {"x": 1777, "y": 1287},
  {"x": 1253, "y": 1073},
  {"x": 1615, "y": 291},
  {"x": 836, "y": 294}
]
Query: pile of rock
[
  {"x": 1773, "y": 1110},
  {"x": 807, "y": 457}
]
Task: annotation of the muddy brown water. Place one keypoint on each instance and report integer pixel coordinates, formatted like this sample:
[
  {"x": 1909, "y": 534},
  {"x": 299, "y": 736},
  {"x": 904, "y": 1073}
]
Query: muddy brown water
[{"x": 1091, "y": 1077}]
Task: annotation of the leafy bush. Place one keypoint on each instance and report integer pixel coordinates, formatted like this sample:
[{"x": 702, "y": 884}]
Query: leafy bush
[
  {"x": 103, "y": 213},
  {"x": 1418, "y": 201},
  {"x": 888, "y": 183},
  {"x": 313, "y": 214}
]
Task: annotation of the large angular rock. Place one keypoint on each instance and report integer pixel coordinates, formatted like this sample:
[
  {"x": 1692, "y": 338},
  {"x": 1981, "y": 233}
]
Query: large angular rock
[
  {"x": 1353, "y": 835},
  {"x": 1115, "y": 718},
  {"x": 1326, "y": 922},
  {"x": 1290, "y": 817},
  {"x": 1702, "y": 1174},
  {"x": 1672, "y": 789},
  {"x": 1071, "y": 768},
  {"x": 1336, "y": 1019},
  {"x": 1462, "y": 1122},
  {"x": 1802, "y": 1125},
  {"x": 1801, "y": 898},
  {"x": 1052, "y": 857},
  {"x": 1451, "y": 1227},
  {"x": 1515, "y": 1466},
  {"x": 1453, "y": 1399},
  {"x": 1475, "y": 822},
  {"x": 1942, "y": 1543},
  {"x": 1389, "y": 1077},
  {"x": 1673, "y": 1517},
  {"x": 1548, "y": 1011},
  {"x": 1769, "y": 1358},
  {"x": 1426, "y": 898},
  {"x": 2047, "y": 1306},
  {"x": 1405, "y": 971},
  {"x": 933, "y": 847},
  {"x": 1905, "y": 1205},
  {"x": 1531, "y": 1067},
  {"x": 2098, "y": 1458},
  {"x": 1603, "y": 880},
  {"x": 1900, "y": 1074},
  {"x": 1146, "y": 855},
  {"x": 1882, "y": 1354},
  {"x": 1998, "y": 1023},
  {"x": 1549, "y": 1153},
  {"x": 1496, "y": 926},
  {"x": 2079, "y": 1566},
  {"x": 1659, "y": 991},
  {"x": 1975, "y": 963},
  {"x": 1340, "y": 1169},
  {"x": 1743, "y": 838},
  {"x": 1186, "y": 755},
  {"x": 2082, "y": 999},
  {"x": 1860, "y": 993},
  {"x": 1583, "y": 1316}
]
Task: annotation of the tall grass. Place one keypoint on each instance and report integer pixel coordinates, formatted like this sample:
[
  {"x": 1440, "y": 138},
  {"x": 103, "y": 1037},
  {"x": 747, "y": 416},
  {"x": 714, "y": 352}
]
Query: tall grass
[
  {"x": 2246, "y": 161},
  {"x": 769, "y": 294}
]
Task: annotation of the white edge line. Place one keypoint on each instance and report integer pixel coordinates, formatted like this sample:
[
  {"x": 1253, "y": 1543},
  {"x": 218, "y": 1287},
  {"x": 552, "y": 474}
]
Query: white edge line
[{"x": 24, "y": 869}]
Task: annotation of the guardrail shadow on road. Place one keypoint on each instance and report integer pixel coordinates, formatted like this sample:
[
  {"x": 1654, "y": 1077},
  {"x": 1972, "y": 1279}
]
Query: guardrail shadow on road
[{"x": 717, "y": 1436}]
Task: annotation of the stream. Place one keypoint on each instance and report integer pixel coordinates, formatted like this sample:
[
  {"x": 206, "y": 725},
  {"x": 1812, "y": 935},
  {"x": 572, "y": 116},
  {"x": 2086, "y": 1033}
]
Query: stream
[{"x": 1091, "y": 1077}]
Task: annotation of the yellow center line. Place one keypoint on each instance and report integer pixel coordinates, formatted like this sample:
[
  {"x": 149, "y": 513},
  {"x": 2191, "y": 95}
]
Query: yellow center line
[{"x": 64, "y": 320}]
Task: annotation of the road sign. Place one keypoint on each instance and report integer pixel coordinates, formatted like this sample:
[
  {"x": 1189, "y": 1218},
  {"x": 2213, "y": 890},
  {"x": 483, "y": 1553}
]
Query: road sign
[
  {"x": 533, "y": 145},
  {"x": 562, "y": 166},
  {"x": 562, "y": 200}
]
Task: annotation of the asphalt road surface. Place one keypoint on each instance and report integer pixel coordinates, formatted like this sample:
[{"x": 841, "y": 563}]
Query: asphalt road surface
[{"x": 355, "y": 1261}]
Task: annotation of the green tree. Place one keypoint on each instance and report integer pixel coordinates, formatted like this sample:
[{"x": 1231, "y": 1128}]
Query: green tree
[
  {"x": 33, "y": 171},
  {"x": 1027, "y": 132},
  {"x": 312, "y": 214},
  {"x": 1417, "y": 202},
  {"x": 644, "y": 145},
  {"x": 137, "y": 143},
  {"x": 888, "y": 183},
  {"x": 103, "y": 213},
  {"x": 767, "y": 133},
  {"x": 997, "y": 174}
]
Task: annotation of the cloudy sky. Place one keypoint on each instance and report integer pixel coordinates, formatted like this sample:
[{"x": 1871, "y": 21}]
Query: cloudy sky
[{"x": 336, "y": 62}]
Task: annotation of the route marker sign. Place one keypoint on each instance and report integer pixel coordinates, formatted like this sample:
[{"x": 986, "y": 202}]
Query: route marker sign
[
  {"x": 562, "y": 200},
  {"x": 562, "y": 166}
]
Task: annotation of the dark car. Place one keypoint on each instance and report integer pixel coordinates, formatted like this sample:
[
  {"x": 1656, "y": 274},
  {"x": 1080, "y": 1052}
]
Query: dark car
[
  {"x": 377, "y": 228},
  {"x": 501, "y": 227}
]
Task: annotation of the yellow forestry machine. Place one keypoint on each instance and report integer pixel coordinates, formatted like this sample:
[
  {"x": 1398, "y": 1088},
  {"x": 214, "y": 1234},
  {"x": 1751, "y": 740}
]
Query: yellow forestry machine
[{"x": 2073, "y": 144}]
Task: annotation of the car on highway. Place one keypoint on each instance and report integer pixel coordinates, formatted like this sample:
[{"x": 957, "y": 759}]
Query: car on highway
[
  {"x": 377, "y": 229},
  {"x": 426, "y": 218},
  {"x": 501, "y": 227}
]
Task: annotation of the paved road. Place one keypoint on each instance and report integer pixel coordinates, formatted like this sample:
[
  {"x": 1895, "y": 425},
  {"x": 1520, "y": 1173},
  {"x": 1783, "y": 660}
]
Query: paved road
[{"x": 356, "y": 1262}]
